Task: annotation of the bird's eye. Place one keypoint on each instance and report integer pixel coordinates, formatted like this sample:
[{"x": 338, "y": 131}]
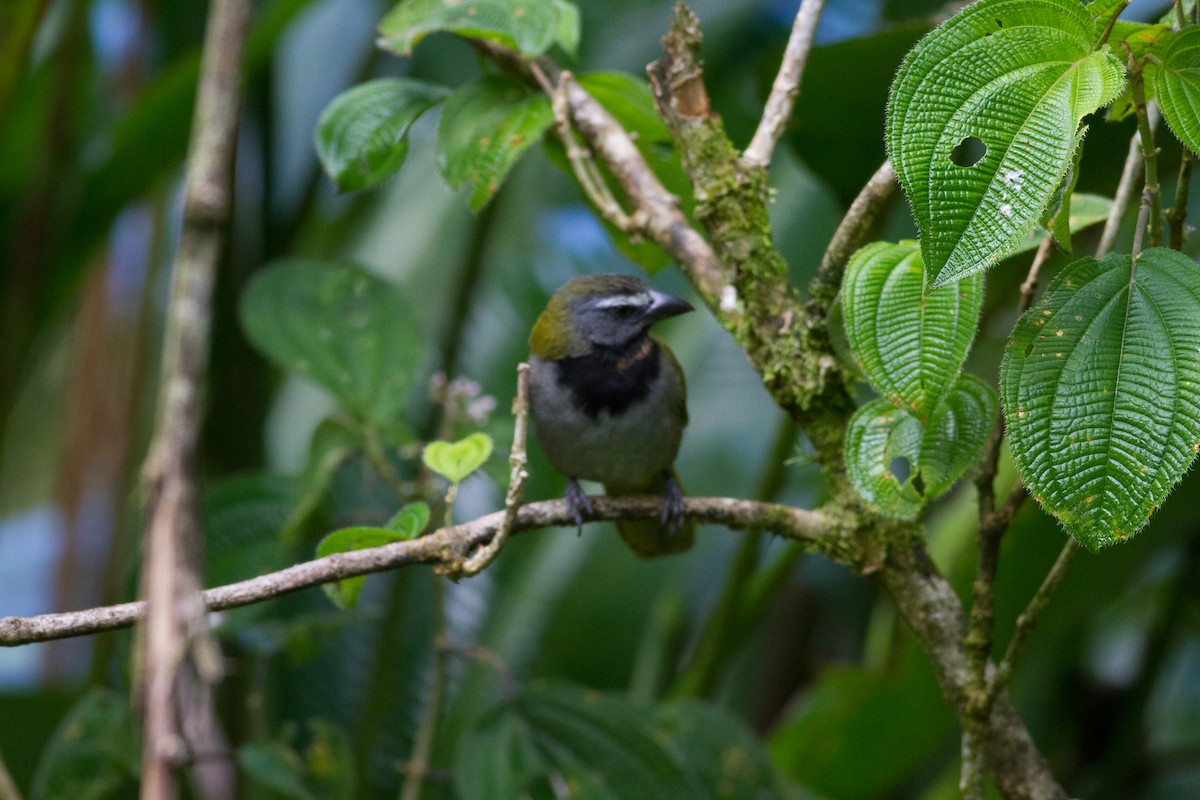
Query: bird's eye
[{"x": 624, "y": 312}]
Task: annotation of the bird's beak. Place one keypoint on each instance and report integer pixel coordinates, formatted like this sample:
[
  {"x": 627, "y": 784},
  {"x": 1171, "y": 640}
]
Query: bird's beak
[{"x": 666, "y": 305}]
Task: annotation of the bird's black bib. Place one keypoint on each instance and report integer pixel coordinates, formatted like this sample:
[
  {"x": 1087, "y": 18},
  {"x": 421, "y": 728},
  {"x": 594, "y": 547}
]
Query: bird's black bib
[{"x": 609, "y": 378}]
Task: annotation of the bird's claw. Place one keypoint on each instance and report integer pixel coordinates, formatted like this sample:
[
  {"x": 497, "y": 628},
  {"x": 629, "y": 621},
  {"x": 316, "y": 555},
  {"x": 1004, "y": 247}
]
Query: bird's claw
[
  {"x": 673, "y": 506},
  {"x": 577, "y": 503}
]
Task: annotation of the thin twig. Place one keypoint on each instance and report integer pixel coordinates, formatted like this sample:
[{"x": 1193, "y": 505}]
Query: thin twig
[
  {"x": 517, "y": 462},
  {"x": 175, "y": 624},
  {"x": 582, "y": 164},
  {"x": 1149, "y": 152},
  {"x": 778, "y": 109},
  {"x": 1177, "y": 216},
  {"x": 444, "y": 546},
  {"x": 1029, "y": 618},
  {"x": 1127, "y": 189}
]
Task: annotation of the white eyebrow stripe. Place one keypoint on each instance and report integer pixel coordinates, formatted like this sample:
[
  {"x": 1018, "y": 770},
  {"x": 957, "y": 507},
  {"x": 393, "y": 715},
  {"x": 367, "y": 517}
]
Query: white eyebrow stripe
[{"x": 640, "y": 300}]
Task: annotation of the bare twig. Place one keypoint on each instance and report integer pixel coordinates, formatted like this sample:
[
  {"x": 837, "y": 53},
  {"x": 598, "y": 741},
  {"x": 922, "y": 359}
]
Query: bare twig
[
  {"x": 1177, "y": 216},
  {"x": 175, "y": 620},
  {"x": 517, "y": 462},
  {"x": 1127, "y": 189},
  {"x": 778, "y": 109},
  {"x": 1028, "y": 618},
  {"x": 444, "y": 546}
]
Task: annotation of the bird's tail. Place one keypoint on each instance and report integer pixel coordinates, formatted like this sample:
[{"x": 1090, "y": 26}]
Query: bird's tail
[{"x": 652, "y": 538}]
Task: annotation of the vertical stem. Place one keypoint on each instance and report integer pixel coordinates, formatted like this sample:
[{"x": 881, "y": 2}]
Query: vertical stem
[
  {"x": 1149, "y": 152},
  {"x": 1177, "y": 216},
  {"x": 174, "y": 626}
]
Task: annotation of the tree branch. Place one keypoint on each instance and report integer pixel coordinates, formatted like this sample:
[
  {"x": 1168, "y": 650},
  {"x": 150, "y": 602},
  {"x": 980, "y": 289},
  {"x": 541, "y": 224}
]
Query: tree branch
[
  {"x": 175, "y": 624},
  {"x": 447, "y": 546},
  {"x": 778, "y": 109}
]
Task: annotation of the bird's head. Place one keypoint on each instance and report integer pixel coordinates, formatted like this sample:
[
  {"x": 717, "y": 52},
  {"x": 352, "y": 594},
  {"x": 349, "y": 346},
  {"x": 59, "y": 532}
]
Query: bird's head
[{"x": 599, "y": 310}]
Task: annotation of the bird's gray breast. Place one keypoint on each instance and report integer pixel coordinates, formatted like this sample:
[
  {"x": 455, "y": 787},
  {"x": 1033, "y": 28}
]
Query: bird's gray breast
[{"x": 596, "y": 425}]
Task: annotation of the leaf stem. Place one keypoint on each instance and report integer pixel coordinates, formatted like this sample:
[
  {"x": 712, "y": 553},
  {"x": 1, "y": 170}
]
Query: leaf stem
[
  {"x": 1149, "y": 152},
  {"x": 1111, "y": 24},
  {"x": 1177, "y": 216}
]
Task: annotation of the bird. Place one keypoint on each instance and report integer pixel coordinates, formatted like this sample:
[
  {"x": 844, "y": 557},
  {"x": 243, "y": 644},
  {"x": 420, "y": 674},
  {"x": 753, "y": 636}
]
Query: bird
[{"x": 609, "y": 401}]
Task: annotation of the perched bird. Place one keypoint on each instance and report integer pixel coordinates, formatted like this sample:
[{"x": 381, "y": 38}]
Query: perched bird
[{"x": 608, "y": 400}]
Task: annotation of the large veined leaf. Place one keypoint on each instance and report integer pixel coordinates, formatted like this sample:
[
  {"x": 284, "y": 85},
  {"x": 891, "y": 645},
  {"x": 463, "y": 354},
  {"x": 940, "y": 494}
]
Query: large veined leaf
[
  {"x": 983, "y": 122},
  {"x": 910, "y": 344},
  {"x": 883, "y": 444},
  {"x": 485, "y": 127},
  {"x": 956, "y": 433},
  {"x": 352, "y": 332},
  {"x": 528, "y": 26},
  {"x": 1177, "y": 86},
  {"x": 1101, "y": 390},
  {"x": 362, "y": 135}
]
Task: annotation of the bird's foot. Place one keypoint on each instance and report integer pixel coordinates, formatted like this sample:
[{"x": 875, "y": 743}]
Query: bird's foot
[
  {"x": 673, "y": 507},
  {"x": 577, "y": 503}
]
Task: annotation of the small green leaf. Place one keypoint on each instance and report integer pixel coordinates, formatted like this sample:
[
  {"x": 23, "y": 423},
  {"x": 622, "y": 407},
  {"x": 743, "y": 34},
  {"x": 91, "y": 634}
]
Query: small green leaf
[
  {"x": 956, "y": 434},
  {"x": 883, "y": 447},
  {"x": 93, "y": 753},
  {"x": 1177, "y": 86},
  {"x": 528, "y": 26},
  {"x": 1009, "y": 80},
  {"x": 362, "y": 135},
  {"x": 1086, "y": 210},
  {"x": 485, "y": 127},
  {"x": 910, "y": 344},
  {"x": 1101, "y": 390},
  {"x": 454, "y": 461},
  {"x": 344, "y": 593},
  {"x": 348, "y": 330},
  {"x": 410, "y": 521}
]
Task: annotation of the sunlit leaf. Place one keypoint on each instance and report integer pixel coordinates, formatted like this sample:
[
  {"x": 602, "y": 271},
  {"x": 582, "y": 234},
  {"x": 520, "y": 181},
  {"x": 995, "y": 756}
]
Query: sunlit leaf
[
  {"x": 344, "y": 593},
  {"x": 410, "y": 521},
  {"x": 348, "y": 330},
  {"x": 910, "y": 344},
  {"x": 454, "y": 461},
  {"x": 1177, "y": 86},
  {"x": 983, "y": 123},
  {"x": 362, "y": 135},
  {"x": 528, "y": 26},
  {"x": 485, "y": 127},
  {"x": 1101, "y": 391}
]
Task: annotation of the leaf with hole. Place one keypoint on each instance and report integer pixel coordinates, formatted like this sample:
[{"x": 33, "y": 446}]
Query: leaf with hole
[
  {"x": 1177, "y": 86},
  {"x": 454, "y": 461},
  {"x": 1101, "y": 390},
  {"x": 883, "y": 445},
  {"x": 362, "y": 135},
  {"x": 983, "y": 121},
  {"x": 528, "y": 26},
  {"x": 909, "y": 343},
  {"x": 343, "y": 327},
  {"x": 486, "y": 126}
]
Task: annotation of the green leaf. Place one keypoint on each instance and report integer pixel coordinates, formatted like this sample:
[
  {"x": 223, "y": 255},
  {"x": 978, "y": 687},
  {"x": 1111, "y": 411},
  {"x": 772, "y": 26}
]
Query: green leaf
[
  {"x": 329, "y": 761},
  {"x": 406, "y": 525},
  {"x": 485, "y": 127},
  {"x": 410, "y": 521},
  {"x": 93, "y": 753},
  {"x": 454, "y": 461},
  {"x": 1101, "y": 390},
  {"x": 1086, "y": 210},
  {"x": 1103, "y": 10},
  {"x": 528, "y": 26},
  {"x": 1013, "y": 77},
  {"x": 568, "y": 27},
  {"x": 497, "y": 759},
  {"x": 608, "y": 737},
  {"x": 719, "y": 749},
  {"x": 350, "y": 331},
  {"x": 362, "y": 135},
  {"x": 910, "y": 344},
  {"x": 883, "y": 448},
  {"x": 1177, "y": 86},
  {"x": 956, "y": 434},
  {"x": 241, "y": 516}
]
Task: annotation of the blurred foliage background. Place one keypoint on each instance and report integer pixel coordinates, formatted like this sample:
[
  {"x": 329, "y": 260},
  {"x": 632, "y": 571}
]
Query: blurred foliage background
[{"x": 95, "y": 101}]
